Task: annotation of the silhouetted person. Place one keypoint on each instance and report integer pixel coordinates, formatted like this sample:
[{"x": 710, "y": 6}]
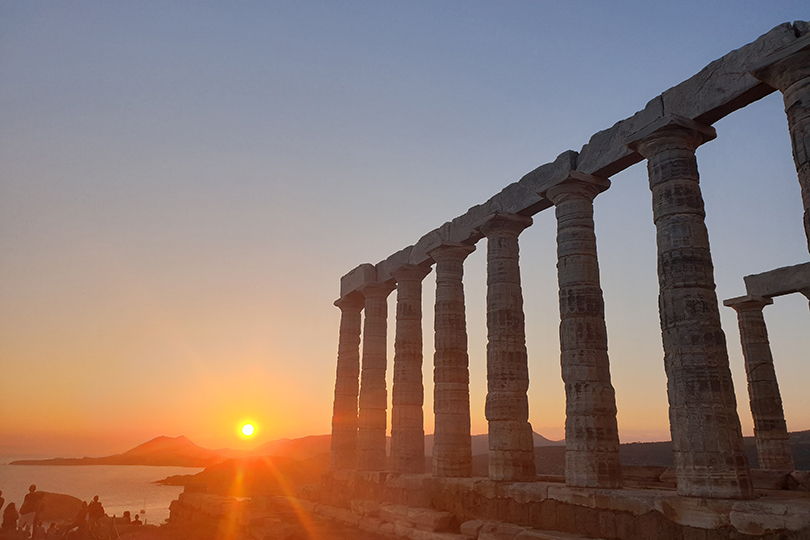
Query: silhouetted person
[
  {"x": 10, "y": 517},
  {"x": 94, "y": 511},
  {"x": 127, "y": 519},
  {"x": 39, "y": 532},
  {"x": 137, "y": 520},
  {"x": 52, "y": 532},
  {"x": 31, "y": 507}
]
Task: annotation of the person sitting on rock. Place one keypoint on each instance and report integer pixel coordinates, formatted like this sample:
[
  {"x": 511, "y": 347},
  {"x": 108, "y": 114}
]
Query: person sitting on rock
[
  {"x": 10, "y": 517},
  {"x": 39, "y": 532}
]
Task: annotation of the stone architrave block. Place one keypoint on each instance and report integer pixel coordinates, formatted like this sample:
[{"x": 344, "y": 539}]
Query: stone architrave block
[
  {"x": 397, "y": 260},
  {"x": 354, "y": 280},
  {"x": 522, "y": 197},
  {"x": 543, "y": 177},
  {"x": 725, "y": 85},
  {"x": 785, "y": 280},
  {"x": 606, "y": 152},
  {"x": 420, "y": 250}
]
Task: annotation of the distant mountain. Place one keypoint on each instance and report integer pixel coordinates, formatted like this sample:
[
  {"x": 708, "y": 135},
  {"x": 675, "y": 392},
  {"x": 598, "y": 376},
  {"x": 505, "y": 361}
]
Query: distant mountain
[
  {"x": 160, "y": 451},
  {"x": 303, "y": 448},
  {"x": 480, "y": 443}
]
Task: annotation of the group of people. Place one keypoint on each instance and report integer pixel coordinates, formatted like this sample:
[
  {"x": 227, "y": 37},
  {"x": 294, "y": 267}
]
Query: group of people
[{"x": 27, "y": 518}]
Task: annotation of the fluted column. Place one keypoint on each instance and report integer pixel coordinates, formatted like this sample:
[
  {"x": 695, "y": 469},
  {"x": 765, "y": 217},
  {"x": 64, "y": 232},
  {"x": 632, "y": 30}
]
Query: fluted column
[
  {"x": 407, "y": 421},
  {"x": 344, "y": 416},
  {"x": 591, "y": 431},
  {"x": 770, "y": 428},
  {"x": 373, "y": 395},
  {"x": 511, "y": 445},
  {"x": 452, "y": 446},
  {"x": 706, "y": 433},
  {"x": 789, "y": 72}
]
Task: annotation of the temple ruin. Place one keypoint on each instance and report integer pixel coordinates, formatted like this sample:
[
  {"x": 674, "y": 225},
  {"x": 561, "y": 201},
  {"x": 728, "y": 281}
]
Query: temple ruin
[{"x": 718, "y": 495}]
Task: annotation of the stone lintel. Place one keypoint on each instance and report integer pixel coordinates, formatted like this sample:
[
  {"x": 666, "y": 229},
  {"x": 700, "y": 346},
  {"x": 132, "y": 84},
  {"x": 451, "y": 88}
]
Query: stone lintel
[
  {"x": 719, "y": 89},
  {"x": 516, "y": 220},
  {"x": 761, "y": 70},
  {"x": 378, "y": 288},
  {"x": 747, "y": 302},
  {"x": 354, "y": 280},
  {"x": 672, "y": 121},
  {"x": 468, "y": 248},
  {"x": 576, "y": 177},
  {"x": 387, "y": 266},
  {"x": 354, "y": 299},
  {"x": 778, "y": 282},
  {"x": 414, "y": 272}
]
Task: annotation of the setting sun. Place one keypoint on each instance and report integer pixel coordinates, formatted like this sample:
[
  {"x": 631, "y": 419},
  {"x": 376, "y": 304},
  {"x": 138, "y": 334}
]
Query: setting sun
[{"x": 247, "y": 430}]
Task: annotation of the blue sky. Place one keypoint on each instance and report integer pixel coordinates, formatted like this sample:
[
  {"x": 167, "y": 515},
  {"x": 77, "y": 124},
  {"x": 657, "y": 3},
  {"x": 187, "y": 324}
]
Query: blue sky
[{"x": 185, "y": 183}]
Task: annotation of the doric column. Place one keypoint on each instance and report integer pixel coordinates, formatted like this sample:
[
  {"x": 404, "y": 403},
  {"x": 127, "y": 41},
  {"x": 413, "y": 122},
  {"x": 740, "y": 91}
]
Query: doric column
[
  {"x": 591, "y": 432},
  {"x": 373, "y": 395},
  {"x": 770, "y": 429},
  {"x": 344, "y": 416},
  {"x": 452, "y": 447},
  {"x": 706, "y": 433},
  {"x": 788, "y": 71},
  {"x": 407, "y": 423},
  {"x": 511, "y": 445}
]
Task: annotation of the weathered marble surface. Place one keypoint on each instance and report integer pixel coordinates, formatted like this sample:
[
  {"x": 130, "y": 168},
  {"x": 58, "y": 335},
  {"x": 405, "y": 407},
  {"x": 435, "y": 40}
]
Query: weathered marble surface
[
  {"x": 373, "y": 394},
  {"x": 511, "y": 445},
  {"x": 347, "y": 384},
  {"x": 407, "y": 419},
  {"x": 770, "y": 428},
  {"x": 452, "y": 447},
  {"x": 591, "y": 431},
  {"x": 706, "y": 432}
]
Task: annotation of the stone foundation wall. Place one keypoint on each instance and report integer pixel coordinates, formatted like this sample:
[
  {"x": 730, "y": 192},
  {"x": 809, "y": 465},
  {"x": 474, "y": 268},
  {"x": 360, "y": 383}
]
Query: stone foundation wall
[{"x": 626, "y": 514}]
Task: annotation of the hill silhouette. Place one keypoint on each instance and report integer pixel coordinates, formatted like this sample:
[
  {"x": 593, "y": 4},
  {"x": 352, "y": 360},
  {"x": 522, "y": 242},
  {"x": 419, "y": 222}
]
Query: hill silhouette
[{"x": 160, "y": 451}]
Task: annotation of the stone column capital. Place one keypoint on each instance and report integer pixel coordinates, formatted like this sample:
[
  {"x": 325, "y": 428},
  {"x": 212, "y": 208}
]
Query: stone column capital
[
  {"x": 576, "y": 184},
  {"x": 671, "y": 130},
  {"x": 503, "y": 224},
  {"x": 353, "y": 301},
  {"x": 378, "y": 289},
  {"x": 450, "y": 251},
  {"x": 748, "y": 303},
  {"x": 785, "y": 67},
  {"x": 410, "y": 272}
]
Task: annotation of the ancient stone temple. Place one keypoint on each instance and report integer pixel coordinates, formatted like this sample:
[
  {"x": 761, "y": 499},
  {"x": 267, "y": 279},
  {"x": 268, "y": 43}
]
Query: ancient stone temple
[{"x": 712, "y": 492}]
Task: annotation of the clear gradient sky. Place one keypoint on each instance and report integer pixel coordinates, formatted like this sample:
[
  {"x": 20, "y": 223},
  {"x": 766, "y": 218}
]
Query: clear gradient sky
[{"x": 184, "y": 183}]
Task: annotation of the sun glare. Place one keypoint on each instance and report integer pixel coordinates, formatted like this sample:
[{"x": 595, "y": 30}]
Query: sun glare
[{"x": 247, "y": 430}]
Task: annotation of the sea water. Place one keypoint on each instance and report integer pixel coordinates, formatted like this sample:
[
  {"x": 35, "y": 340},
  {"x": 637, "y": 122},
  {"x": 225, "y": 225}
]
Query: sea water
[{"x": 119, "y": 487}]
